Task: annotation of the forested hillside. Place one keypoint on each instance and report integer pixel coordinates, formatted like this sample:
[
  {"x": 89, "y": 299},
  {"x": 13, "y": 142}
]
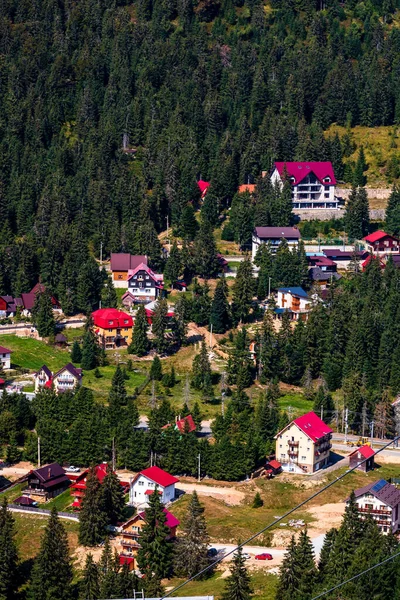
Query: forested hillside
[{"x": 211, "y": 89}]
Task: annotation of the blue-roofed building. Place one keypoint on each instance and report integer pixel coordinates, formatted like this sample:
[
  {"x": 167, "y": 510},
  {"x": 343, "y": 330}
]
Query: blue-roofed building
[
  {"x": 293, "y": 300},
  {"x": 381, "y": 500}
]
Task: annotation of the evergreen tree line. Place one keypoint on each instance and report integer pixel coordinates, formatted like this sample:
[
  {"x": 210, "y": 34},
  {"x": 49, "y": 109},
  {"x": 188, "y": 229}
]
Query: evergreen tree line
[{"x": 108, "y": 121}]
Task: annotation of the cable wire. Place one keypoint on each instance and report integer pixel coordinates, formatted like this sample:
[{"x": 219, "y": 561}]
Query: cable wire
[
  {"x": 339, "y": 585},
  {"x": 278, "y": 520}
]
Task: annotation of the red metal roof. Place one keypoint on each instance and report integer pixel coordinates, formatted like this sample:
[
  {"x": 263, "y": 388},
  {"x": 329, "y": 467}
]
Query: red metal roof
[
  {"x": 366, "y": 262},
  {"x": 125, "y": 560},
  {"x": 365, "y": 451},
  {"x": 300, "y": 170},
  {"x": 186, "y": 424},
  {"x": 4, "y": 350},
  {"x": 203, "y": 187},
  {"x": 274, "y": 464},
  {"x": 110, "y": 318},
  {"x": 2, "y": 381},
  {"x": 159, "y": 476},
  {"x": 146, "y": 269},
  {"x": 171, "y": 521},
  {"x": 376, "y": 236},
  {"x": 312, "y": 426},
  {"x": 150, "y": 492}
]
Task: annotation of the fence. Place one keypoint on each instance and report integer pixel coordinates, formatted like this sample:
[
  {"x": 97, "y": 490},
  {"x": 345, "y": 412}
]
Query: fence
[{"x": 42, "y": 511}]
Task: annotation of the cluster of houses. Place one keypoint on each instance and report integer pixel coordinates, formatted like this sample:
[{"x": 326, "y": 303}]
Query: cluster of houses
[
  {"x": 65, "y": 379},
  {"x": 10, "y": 307}
]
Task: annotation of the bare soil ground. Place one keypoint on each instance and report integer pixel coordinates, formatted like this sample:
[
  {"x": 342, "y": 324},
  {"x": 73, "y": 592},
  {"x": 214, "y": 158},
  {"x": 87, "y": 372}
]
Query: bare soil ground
[
  {"x": 16, "y": 471},
  {"x": 229, "y": 495}
]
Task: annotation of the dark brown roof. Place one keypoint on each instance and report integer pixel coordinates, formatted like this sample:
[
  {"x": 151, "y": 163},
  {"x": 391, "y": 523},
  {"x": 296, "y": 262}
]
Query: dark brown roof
[
  {"x": 344, "y": 255},
  {"x": 24, "y": 501},
  {"x": 49, "y": 472},
  {"x": 56, "y": 481},
  {"x": 72, "y": 369},
  {"x": 28, "y": 300},
  {"x": 60, "y": 337},
  {"x": 46, "y": 369},
  {"x": 278, "y": 232},
  {"x": 381, "y": 489},
  {"x": 124, "y": 262}
]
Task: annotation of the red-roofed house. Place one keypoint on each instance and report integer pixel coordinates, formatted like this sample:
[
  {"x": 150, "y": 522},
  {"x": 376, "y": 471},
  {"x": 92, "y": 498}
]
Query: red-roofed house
[
  {"x": 129, "y": 536},
  {"x": 121, "y": 263},
  {"x": 147, "y": 481},
  {"x": 364, "y": 453},
  {"x": 112, "y": 327},
  {"x": 366, "y": 262},
  {"x": 382, "y": 243},
  {"x": 313, "y": 183},
  {"x": 184, "y": 425},
  {"x": 5, "y": 357},
  {"x": 78, "y": 487},
  {"x": 203, "y": 187},
  {"x": 304, "y": 445}
]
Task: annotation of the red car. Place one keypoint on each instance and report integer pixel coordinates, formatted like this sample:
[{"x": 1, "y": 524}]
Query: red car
[{"x": 263, "y": 556}]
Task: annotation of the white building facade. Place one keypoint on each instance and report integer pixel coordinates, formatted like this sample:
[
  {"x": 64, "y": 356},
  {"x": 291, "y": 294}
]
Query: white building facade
[
  {"x": 145, "y": 484},
  {"x": 5, "y": 358},
  {"x": 313, "y": 183},
  {"x": 274, "y": 236}
]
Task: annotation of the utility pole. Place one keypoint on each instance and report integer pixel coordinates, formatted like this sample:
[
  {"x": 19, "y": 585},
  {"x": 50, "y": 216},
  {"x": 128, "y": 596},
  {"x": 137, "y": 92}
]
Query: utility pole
[
  {"x": 223, "y": 377},
  {"x": 38, "y": 452},
  {"x": 168, "y": 242},
  {"x": 346, "y": 415},
  {"x": 199, "y": 468},
  {"x": 211, "y": 335},
  {"x": 364, "y": 419},
  {"x": 322, "y": 413},
  {"x": 101, "y": 253},
  {"x": 372, "y": 432},
  {"x": 269, "y": 287},
  {"x": 290, "y": 411},
  {"x": 113, "y": 454}
]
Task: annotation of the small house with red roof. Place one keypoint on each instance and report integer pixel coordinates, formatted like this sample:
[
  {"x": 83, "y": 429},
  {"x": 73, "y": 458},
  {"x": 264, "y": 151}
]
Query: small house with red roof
[
  {"x": 67, "y": 378},
  {"x": 147, "y": 481},
  {"x": 313, "y": 183},
  {"x": 382, "y": 243},
  {"x": 5, "y": 357},
  {"x": 78, "y": 486},
  {"x": 203, "y": 187},
  {"x": 363, "y": 458},
  {"x": 129, "y": 536},
  {"x": 184, "y": 425},
  {"x": 121, "y": 263},
  {"x": 144, "y": 286},
  {"x": 366, "y": 262},
  {"x": 113, "y": 328},
  {"x": 304, "y": 445}
]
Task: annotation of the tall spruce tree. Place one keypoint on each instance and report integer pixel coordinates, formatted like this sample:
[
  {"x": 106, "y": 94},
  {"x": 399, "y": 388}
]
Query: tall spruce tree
[
  {"x": 117, "y": 396},
  {"x": 393, "y": 212},
  {"x": 9, "y": 576},
  {"x": 357, "y": 214},
  {"x": 289, "y": 575},
  {"x": 109, "y": 297},
  {"x": 92, "y": 519},
  {"x": 156, "y": 553},
  {"x": 205, "y": 252},
  {"x": 112, "y": 497},
  {"x": 89, "y": 585},
  {"x": 173, "y": 266},
  {"x": 140, "y": 342},
  {"x": 201, "y": 371},
  {"x": 42, "y": 314},
  {"x": 243, "y": 291},
  {"x": 238, "y": 583},
  {"x": 160, "y": 325},
  {"x": 90, "y": 351},
  {"x": 76, "y": 353},
  {"x": 192, "y": 545},
  {"x": 52, "y": 570},
  {"x": 220, "y": 317},
  {"x": 156, "y": 372}
]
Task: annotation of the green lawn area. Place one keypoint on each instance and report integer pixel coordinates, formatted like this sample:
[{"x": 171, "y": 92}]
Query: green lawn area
[
  {"x": 29, "y": 530},
  {"x": 102, "y": 385},
  {"x": 298, "y": 403},
  {"x": 32, "y": 354},
  {"x": 73, "y": 333},
  {"x": 264, "y": 585},
  {"x": 61, "y": 502},
  {"x": 12, "y": 493}
]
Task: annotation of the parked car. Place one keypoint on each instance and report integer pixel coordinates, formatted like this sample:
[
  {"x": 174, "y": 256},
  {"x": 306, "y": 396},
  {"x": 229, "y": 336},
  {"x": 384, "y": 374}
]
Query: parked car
[
  {"x": 246, "y": 556},
  {"x": 72, "y": 469},
  {"x": 212, "y": 552},
  {"x": 263, "y": 556}
]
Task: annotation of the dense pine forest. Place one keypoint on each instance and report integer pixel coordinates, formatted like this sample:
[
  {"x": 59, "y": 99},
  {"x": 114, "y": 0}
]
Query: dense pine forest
[{"x": 111, "y": 110}]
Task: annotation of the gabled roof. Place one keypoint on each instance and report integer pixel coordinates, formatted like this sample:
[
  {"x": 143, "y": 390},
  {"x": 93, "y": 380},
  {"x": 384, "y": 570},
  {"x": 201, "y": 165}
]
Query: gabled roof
[
  {"x": 49, "y": 472},
  {"x": 110, "y": 318},
  {"x": 159, "y": 476},
  {"x": 317, "y": 274},
  {"x": 46, "y": 369},
  {"x": 121, "y": 261},
  {"x": 365, "y": 451},
  {"x": 75, "y": 372},
  {"x": 300, "y": 170},
  {"x": 146, "y": 269},
  {"x": 312, "y": 426},
  {"x": 366, "y": 262},
  {"x": 4, "y": 350},
  {"x": 28, "y": 300},
  {"x": 297, "y": 292},
  {"x": 203, "y": 187},
  {"x": 247, "y": 187},
  {"x": 38, "y": 288},
  {"x": 277, "y": 233},
  {"x": 378, "y": 235},
  {"x": 274, "y": 464},
  {"x": 186, "y": 424},
  {"x": 344, "y": 254},
  {"x": 381, "y": 489},
  {"x": 171, "y": 521}
]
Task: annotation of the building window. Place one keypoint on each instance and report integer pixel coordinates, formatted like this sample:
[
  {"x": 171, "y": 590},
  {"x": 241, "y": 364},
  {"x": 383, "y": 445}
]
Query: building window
[
  {"x": 280, "y": 446},
  {"x": 141, "y": 482},
  {"x": 110, "y": 322},
  {"x": 303, "y": 458},
  {"x": 119, "y": 276}
]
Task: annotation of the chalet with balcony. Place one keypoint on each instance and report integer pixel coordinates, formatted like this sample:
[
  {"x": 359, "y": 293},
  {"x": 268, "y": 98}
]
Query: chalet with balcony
[
  {"x": 78, "y": 486},
  {"x": 147, "y": 481},
  {"x": 274, "y": 236},
  {"x": 381, "y": 500},
  {"x": 144, "y": 286},
  {"x": 313, "y": 183},
  {"x": 362, "y": 458},
  {"x": 343, "y": 258},
  {"x": 67, "y": 378},
  {"x": 5, "y": 357},
  {"x": 46, "y": 483},
  {"x": 304, "y": 445},
  {"x": 322, "y": 270},
  {"x": 121, "y": 264},
  {"x": 293, "y": 300},
  {"x": 129, "y": 536},
  {"x": 382, "y": 243},
  {"x": 113, "y": 328}
]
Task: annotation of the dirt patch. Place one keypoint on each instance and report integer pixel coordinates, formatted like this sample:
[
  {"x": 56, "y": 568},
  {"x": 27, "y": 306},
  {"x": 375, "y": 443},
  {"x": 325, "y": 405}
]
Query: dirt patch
[
  {"x": 282, "y": 537},
  {"x": 81, "y": 552},
  {"x": 326, "y": 516},
  {"x": 229, "y": 495},
  {"x": 17, "y": 470}
]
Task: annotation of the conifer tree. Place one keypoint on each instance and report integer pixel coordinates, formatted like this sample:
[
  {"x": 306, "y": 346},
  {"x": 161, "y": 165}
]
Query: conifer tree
[
  {"x": 140, "y": 342},
  {"x": 238, "y": 584},
  {"x": 117, "y": 395},
  {"x": 76, "y": 353},
  {"x": 289, "y": 576},
  {"x": 92, "y": 519},
  {"x": 393, "y": 212},
  {"x": 8, "y": 555},
  {"x": 108, "y": 570},
  {"x": 155, "y": 553},
  {"x": 109, "y": 297},
  {"x": 220, "y": 317},
  {"x": 201, "y": 371},
  {"x": 243, "y": 291},
  {"x": 189, "y": 225},
  {"x": 173, "y": 266},
  {"x": 305, "y": 566},
  {"x": 323, "y": 404},
  {"x": 258, "y": 501},
  {"x": 42, "y": 315},
  {"x": 89, "y": 586},
  {"x": 90, "y": 351},
  {"x": 357, "y": 214},
  {"x": 205, "y": 252},
  {"x": 160, "y": 325},
  {"x": 52, "y": 571},
  {"x": 112, "y": 497},
  {"x": 359, "y": 179},
  {"x": 156, "y": 369},
  {"x": 264, "y": 260},
  {"x": 192, "y": 544},
  {"x": 267, "y": 355}
]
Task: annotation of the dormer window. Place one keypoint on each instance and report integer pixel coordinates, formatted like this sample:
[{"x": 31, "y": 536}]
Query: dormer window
[
  {"x": 110, "y": 322},
  {"x": 126, "y": 322},
  {"x": 327, "y": 180},
  {"x": 292, "y": 179}
]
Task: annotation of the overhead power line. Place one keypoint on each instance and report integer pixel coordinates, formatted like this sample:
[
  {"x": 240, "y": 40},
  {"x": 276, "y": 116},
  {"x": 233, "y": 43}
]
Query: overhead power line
[
  {"x": 278, "y": 520},
  {"x": 339, "y": 585}
]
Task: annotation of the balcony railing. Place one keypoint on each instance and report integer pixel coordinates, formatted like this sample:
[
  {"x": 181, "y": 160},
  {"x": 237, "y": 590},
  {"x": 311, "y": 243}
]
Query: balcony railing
[
  {"x": 375, "y": 511},
  {"x": 130, "y": 534},
  {"x": 130, "y": 545},
  {"x": 293, "y": 443}
]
